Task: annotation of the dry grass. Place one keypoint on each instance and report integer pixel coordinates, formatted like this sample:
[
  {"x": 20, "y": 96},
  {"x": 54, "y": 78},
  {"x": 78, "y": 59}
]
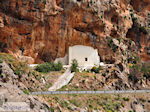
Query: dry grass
[
  {"x": 84, "y": 81},
  {"x": 18, "y": 67},
  {"x": 106, "y": 103}
]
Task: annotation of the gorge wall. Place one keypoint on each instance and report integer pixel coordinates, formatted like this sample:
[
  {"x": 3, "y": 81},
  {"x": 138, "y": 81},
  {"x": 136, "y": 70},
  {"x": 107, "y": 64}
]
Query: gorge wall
[{"x": 42, "y": 30}]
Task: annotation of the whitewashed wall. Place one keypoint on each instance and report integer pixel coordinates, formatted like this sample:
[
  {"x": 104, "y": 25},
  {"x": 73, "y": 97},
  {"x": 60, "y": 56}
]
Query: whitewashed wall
[{"x": 80, "y": 52}]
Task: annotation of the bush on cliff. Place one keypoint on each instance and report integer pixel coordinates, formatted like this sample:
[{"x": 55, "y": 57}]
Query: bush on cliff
[
  {"x": 17, "y": 66},
  {"x": 47, "y": 67},
  {"x": 111, "y": 44},
  {"x": 139, "y": 71}
]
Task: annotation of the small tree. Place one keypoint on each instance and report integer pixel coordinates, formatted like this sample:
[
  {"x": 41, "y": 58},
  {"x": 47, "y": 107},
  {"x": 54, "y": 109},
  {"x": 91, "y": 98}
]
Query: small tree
[{"x": 74, "y": 66}]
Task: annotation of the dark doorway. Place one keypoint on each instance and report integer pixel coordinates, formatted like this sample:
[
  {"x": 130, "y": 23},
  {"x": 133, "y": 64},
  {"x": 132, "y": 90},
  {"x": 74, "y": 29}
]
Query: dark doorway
[{"x": 86, "y": 59}]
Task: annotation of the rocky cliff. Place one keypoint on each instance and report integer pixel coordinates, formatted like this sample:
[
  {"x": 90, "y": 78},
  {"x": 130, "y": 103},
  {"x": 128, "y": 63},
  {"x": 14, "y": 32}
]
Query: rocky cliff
[
  {"x": 14, "y": 92},
  {"x": 42, "y": 30}
]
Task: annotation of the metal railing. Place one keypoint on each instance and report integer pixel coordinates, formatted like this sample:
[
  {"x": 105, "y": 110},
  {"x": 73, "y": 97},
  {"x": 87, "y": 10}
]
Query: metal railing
[{"x": 90, "y": 92}]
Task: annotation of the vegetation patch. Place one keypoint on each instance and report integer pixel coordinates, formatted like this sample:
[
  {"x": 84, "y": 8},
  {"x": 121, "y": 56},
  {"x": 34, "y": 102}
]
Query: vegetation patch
[
  {"x": 112, "y": 45},
  {"x": 1, "y": 60},
  {"x": 47, "y": 67},
  {"x": 74, "y": 66},
  {"x": 139, "y": 71},
  {"x": 75, "y": 102},
  {"x": 125, "y": 98},
  {"x": 133, "y": 59},
  {"x": 18, "y": 67},
  {"x": 102, "y": 102},
  {"x": 96, "y": 69},
  {"x": 26, "y": 91}
]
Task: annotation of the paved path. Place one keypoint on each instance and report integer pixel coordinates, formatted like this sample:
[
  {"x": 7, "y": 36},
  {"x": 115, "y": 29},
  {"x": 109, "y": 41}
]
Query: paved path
[
  {"x": 91, "y": 92},
  {"x": 62, "y": 80}
]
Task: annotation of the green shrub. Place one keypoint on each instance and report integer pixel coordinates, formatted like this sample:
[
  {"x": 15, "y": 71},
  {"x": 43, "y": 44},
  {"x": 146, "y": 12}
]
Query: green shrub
[
  {"x": 133, "y": 17},
  {"x": 44, "y": 68},
  {"x": 1, "y": 60},
  {"x": 18, "y": 72},
  {"x": 51, "y": 109},
  {"x": 64, "y": 104},
  {"x": 2, "y": 75},
  {"x": 58, "y": 66},
  {"x": 136, "y": 67},
  {"x": 74, "y": 66},
  {"x": 104, "y": 74},
  {"x": 125, "y": 98},
  {"x": 131, "y": 111},
  {"x": 48, "y": 85},
  {"x": 47, "y": 67},
  {"x": 26, "y": 91},
  {"x": 133, "y": 59},
  {"x": 44, "y": 1},
  {"x": 96, "y": 69}
]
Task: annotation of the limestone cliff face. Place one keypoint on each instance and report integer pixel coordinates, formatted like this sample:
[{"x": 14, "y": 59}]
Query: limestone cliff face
[{"x": 44, "y": 29}]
